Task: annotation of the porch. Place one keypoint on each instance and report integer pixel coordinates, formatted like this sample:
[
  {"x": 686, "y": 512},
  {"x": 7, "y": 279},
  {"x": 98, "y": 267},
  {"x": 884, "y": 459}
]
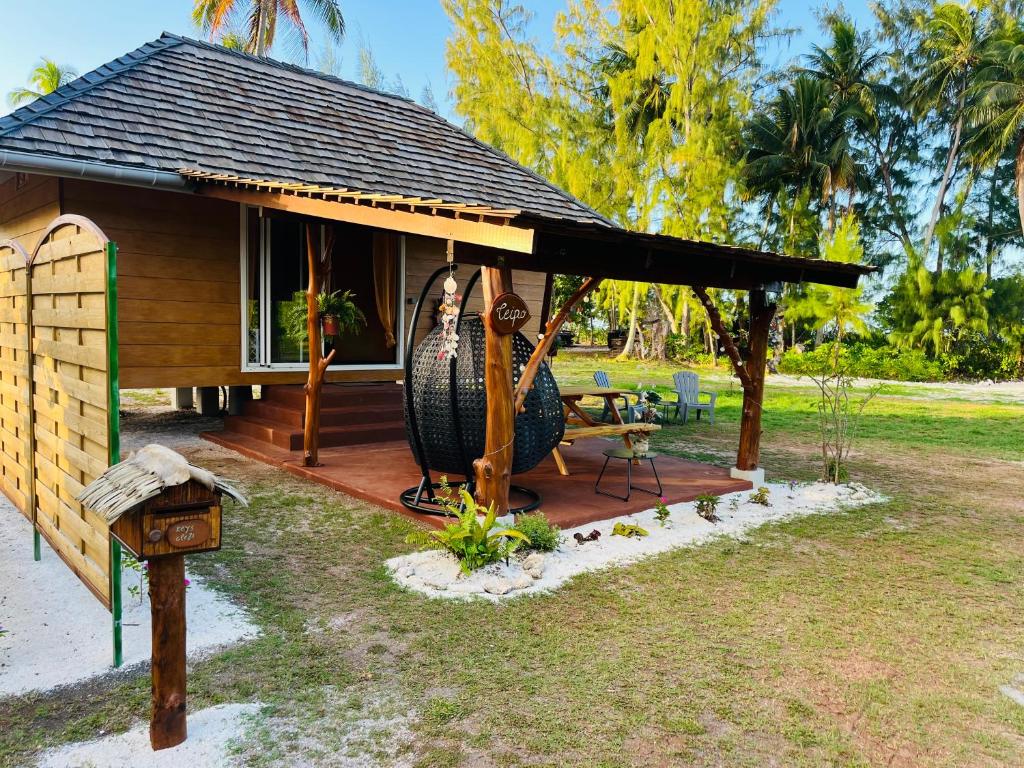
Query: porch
[{"x": 378, "y": 471}]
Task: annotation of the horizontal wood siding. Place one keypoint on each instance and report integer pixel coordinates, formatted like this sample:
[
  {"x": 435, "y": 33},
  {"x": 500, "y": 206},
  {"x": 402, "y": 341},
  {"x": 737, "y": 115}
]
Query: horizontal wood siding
[
  {"x": 178, "y": 286},
  {"x": 423, "y": 255},
  {"x": 25, "y": 212},
  {"x": 177, "y": 282}
]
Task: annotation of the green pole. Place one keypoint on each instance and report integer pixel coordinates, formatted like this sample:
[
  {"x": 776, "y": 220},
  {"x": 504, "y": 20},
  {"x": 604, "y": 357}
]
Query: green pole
[
  {"x": 37, "y": 553},
  {"x": 114, "y": 441}
]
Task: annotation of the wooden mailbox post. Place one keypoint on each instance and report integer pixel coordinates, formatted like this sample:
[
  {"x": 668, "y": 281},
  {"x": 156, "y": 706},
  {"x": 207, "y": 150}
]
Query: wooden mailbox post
[{"x": 161, "y": 508}]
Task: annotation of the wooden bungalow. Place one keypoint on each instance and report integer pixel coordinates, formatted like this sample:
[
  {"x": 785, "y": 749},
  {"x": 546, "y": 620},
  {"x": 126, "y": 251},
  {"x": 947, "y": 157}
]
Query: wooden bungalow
[{"x": 205, "y": 165}]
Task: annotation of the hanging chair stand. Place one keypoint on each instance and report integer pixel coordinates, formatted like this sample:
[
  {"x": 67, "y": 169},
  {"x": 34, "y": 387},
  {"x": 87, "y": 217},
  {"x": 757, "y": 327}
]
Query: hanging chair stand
[{"x": 424, "y": 498}]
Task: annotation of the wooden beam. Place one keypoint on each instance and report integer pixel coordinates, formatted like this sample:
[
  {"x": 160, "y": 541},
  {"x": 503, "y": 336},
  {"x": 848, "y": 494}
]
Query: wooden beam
[
  {"x": 505, "y": 236},
  {"x": 544, "y": 346}
]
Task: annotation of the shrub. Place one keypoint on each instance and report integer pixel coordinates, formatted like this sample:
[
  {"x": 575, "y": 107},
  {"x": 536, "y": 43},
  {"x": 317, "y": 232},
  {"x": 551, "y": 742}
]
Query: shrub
[
  {"x": 474, "y": 542},
  {"x": 866, "y": 361},
  {"x": 543, "y": 536},
  {"x": 707, "y": 503},
  {"x": 760, "y": 496}
]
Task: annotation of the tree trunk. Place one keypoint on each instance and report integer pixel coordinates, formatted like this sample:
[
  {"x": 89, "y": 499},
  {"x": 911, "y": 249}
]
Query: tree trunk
[
  {"x": 684, "y": 324},
  {"x": 750, "y": 374},
  {"x": 1018, "y": 174},
  {"x": 167, "y": 726},
  {"x": 631, "y": 336},
  {"x": 494, "y": 468},
  {"x": 947, "y": 173},
  {"x": 317, "y": 362},
  {"x": 748, "y": 454}
]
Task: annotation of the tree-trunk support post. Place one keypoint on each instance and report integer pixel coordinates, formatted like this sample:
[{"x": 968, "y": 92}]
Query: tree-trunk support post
[
  {"x": 751, "y": 375},
  {"x": 317, "y": 362},
  {"x": 167, "y": 727},
  {"x": 494, "y": 469}
]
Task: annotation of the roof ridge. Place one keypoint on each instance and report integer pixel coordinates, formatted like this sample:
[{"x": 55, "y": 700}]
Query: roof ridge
[{"x": 84, "y": 83}]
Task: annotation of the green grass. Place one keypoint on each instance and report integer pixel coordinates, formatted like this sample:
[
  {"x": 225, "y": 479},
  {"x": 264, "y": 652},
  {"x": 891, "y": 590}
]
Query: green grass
[{"x": 878, "y": 636}]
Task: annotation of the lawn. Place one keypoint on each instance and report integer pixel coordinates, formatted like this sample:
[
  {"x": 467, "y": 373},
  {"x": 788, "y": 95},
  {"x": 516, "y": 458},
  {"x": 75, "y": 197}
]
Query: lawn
[{"x": 879, "y": 636}]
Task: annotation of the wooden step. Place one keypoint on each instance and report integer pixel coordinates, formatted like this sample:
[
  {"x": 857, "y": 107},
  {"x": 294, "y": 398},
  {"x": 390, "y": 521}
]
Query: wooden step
[
  {"x": 335, "y": 395},
  {"x": 290, "y": 438},
  {"x": 329, "y": 416}
]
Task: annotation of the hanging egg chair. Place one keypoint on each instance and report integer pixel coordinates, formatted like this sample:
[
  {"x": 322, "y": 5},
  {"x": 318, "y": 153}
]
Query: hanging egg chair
[{"x": 446, "y": 408}]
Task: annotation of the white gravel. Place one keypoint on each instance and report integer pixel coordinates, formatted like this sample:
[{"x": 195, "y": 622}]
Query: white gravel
[
  {"x": 57, "y": 633},
  {"x": 211, "y": 735},
  {"x": 436, "y": 574}
]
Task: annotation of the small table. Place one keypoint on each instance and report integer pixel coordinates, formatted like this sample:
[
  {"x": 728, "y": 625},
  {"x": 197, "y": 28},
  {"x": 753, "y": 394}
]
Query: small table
[{"x": 626, "y": 454}]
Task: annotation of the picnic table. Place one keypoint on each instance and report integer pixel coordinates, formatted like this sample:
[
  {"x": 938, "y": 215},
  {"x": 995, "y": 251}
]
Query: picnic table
[{"x": 591, "y": 427}]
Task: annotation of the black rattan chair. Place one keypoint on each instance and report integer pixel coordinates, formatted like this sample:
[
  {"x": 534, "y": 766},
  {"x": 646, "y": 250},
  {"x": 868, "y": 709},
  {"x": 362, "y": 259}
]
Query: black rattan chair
[{"x": 446, "y": 409}]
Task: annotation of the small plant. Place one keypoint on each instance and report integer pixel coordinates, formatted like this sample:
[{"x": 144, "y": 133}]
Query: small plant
[
  {"x": 760, "y": 496},
  {"x": 628, "y": 530},
  {"x": 129, "y": 563},
  {"x": 474, "y": 542},
  {"x": 661, "y": 511},
  {"x": 707, "y": 503},
  {"x": 646, "y": 408},
  {"x": 347, "y": 317},
  {"x": 734, "y": 504},
  {"x": 543, "y": 536}
]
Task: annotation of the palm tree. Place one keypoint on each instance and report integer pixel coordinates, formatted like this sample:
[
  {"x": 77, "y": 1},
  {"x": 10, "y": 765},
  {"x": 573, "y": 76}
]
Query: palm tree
[
  {"x": 799, "y": 143},
  {"x": 46, "y": 78},
  {"x": 848, "y": 66},
  {"x": 997, "y": 105},
  {"x": 951, "y": 48},
  {"x": 214, "y": 17}
]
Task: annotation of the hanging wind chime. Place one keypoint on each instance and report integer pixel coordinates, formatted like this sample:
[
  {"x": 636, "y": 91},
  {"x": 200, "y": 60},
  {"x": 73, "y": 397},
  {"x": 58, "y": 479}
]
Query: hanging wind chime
[{"x": 449, "y": 309}]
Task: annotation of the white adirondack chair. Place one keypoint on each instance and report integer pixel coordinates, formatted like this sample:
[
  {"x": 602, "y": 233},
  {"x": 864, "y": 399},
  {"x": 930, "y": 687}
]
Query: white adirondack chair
[{"x": 688, "y": 394}]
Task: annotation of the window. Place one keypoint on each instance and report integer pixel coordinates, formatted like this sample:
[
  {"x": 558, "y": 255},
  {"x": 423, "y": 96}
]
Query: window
[{"x": 367, "y": 262}]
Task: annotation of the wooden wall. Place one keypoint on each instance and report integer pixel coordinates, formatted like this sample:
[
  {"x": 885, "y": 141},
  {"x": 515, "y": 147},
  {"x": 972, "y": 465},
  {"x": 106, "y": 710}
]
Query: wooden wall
[
  {"x": 26, "y": 211},
  {"x": 423, "y": 255},
  {"x": 178, "y": 278}
]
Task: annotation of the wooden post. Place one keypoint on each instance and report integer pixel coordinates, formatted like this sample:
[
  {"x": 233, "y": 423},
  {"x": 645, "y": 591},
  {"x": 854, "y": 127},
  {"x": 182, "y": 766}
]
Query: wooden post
[
  {"x": 167, "y": 726},
  {"x": 317, "y": 362},
  {"x": 494, "y": 468},
  {"x": 748, "y": 455},
  {"x": 751, "y": 374}
]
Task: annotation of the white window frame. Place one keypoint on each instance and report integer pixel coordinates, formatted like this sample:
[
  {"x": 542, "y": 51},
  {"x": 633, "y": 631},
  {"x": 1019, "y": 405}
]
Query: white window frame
[{"x": 264, "y": 366}]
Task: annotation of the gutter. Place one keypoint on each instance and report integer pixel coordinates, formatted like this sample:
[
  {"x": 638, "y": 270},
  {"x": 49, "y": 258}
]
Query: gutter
[{"x": 25, "y": 162}]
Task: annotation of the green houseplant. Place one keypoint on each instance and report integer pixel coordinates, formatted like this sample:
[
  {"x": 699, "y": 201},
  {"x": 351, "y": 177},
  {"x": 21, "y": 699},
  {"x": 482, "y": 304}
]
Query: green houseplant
[{"x": 339, "y": 315}]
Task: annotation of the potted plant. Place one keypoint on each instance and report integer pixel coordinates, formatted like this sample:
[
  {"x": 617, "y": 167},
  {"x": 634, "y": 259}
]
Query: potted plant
[
  {"x": 338, "y": 313},
  {"x": 646, "y": 412}
]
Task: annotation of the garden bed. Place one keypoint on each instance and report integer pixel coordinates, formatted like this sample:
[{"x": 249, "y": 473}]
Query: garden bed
[{"x": 437, "y": 574}]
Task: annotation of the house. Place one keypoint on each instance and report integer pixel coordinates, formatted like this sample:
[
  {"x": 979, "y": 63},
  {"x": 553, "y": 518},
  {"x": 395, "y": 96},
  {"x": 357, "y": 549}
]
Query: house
[{"x": 198, "y": 171}]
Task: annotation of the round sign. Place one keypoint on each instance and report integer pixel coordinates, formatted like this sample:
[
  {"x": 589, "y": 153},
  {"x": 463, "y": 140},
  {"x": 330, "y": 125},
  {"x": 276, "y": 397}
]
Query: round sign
[
  {"x": 509, "y": 313},
  {"x": 188, "y": 533}
]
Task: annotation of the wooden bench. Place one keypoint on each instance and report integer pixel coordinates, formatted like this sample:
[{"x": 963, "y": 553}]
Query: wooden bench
[{"x": 572, "y": 434}]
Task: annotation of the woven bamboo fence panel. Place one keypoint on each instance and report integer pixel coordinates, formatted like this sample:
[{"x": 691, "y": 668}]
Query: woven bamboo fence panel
[
  {"x": 71, "y": 393},
  {"x": 15, "y": 419}
]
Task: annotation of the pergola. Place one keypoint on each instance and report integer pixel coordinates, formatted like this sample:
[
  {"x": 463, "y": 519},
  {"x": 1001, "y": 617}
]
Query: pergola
[
  {"x": 507, "y": 239},
  {"x": 599, "y": 253}
]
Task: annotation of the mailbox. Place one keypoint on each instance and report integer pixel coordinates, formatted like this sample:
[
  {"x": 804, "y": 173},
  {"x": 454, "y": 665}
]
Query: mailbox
[{"x": 180, "y": 520}]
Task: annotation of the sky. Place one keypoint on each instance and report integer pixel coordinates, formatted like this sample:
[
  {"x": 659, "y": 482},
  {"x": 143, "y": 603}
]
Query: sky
[{"x": 407, "y": 37}]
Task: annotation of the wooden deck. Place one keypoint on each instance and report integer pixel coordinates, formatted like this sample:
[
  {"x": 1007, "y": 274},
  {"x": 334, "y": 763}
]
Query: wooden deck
[{"x": 567, "y": 501}]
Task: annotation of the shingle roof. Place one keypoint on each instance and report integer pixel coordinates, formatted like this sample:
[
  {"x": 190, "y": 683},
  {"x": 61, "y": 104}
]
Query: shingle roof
[{"x": 178, "y": 103}]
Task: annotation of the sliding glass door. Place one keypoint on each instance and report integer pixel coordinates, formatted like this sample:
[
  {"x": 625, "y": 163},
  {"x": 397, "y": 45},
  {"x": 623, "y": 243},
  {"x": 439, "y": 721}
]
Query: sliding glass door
[{"x": 368, "y": 263}]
